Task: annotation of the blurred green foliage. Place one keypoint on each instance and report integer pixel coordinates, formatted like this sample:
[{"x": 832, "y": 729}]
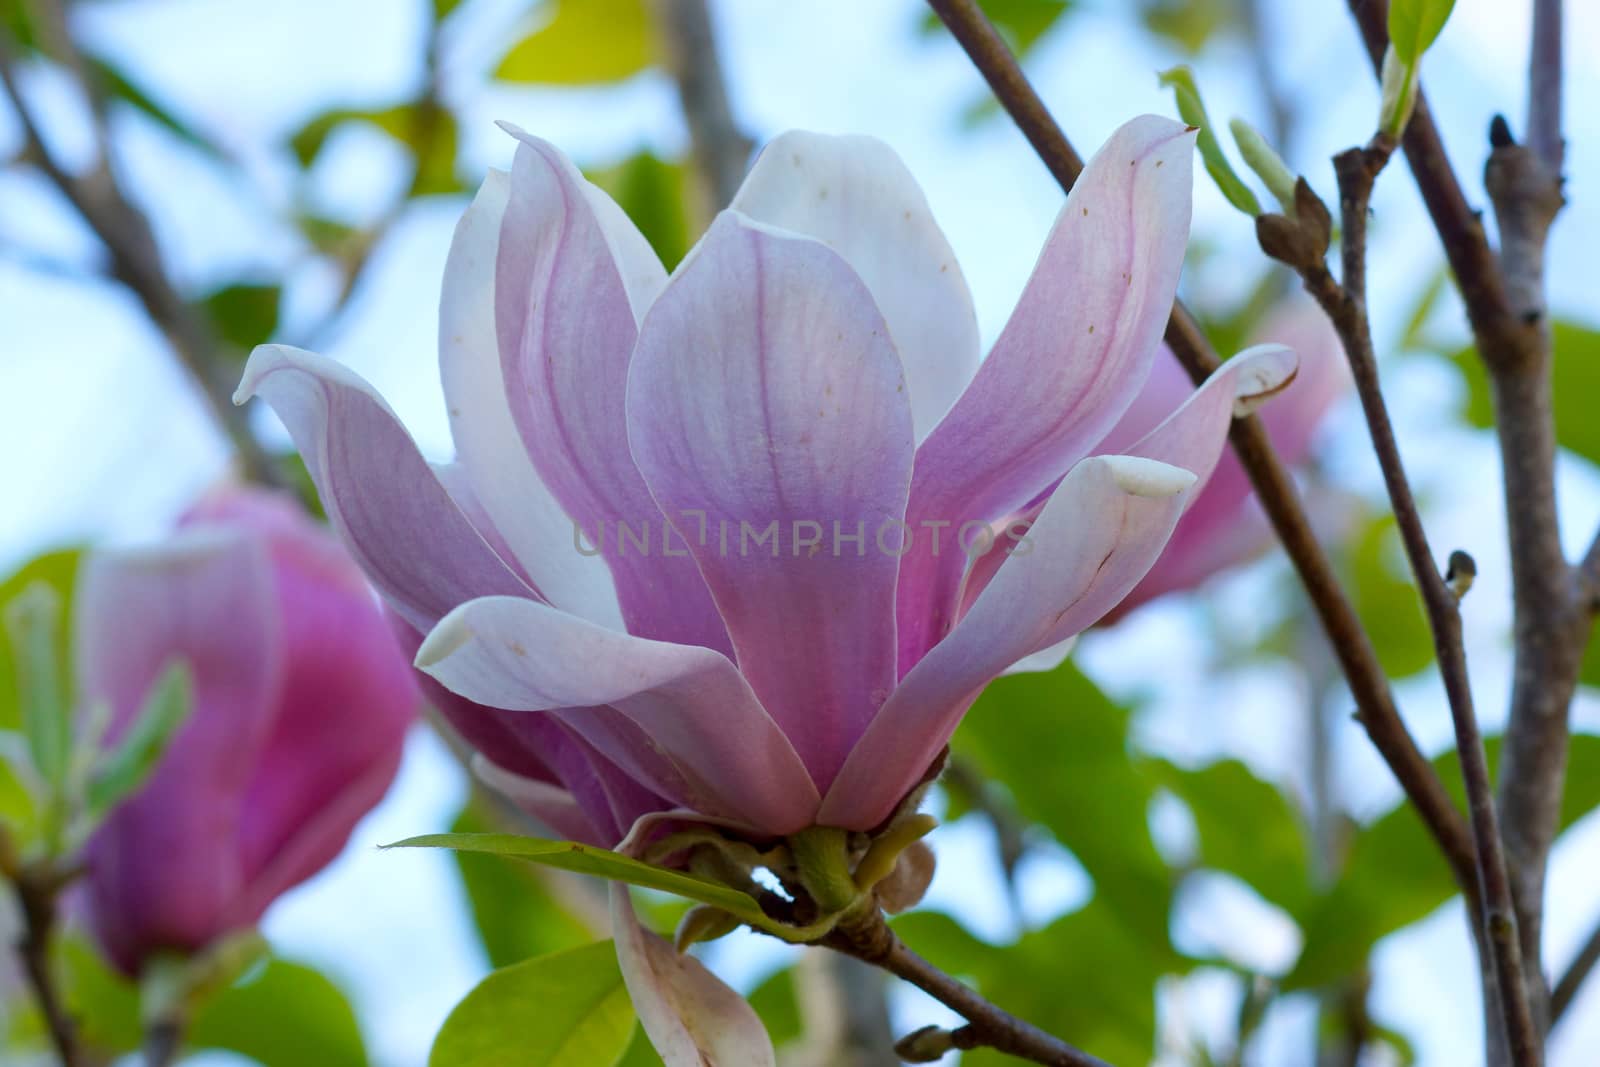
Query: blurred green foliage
[
  {"x": 582, "y": 1016},
  {"x": 582, "y": 42},
  {"x": 278, "y": 1013}
]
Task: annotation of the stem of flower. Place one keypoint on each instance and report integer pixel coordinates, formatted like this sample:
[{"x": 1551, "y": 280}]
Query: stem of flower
[
  {"x": 867, "y": 937},
  {"x": 36, "y": 893}
]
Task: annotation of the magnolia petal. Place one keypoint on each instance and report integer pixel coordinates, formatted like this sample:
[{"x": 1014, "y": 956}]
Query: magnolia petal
[
  {"x": 493, "y": 465},
  {"x": 1098, "y": 534},
  {"x": 551, "y": 804},
  {"x": 398, "y": 522},
  {"x": 1067, "y": 364},
  {"x": 164, "y": 868},
  {"x": 690, "y": 1016},
  {"x": 309, "y": 784},
  {"x": 855, "y": 195},
  {"x": 766, "y": 398},
  {"x": 1044, "y": 660},
  {"x": 564, "y": 320},
  {"x": 691, "y": 702}
]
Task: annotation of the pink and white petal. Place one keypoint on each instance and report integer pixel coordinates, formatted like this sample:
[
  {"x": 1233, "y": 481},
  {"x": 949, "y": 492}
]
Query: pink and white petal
[
  {"x": 565, "y": 325},
  {"x": 1067, "y": 364},
  {"x": 1044, "y": 660},
  {"x": 534, "y": 531},
  {"x": 855, "y": 195},
  {"x": 1193, "y": 436},
  {"x": 551, "y": 804},
  {"x": 690, "y": 1016},
  {"x": 1096, "y": 537},
  {"x": 765, "y": 394},
  {"x": 163, "y": 870},
  {"x": 388, "y": 507},
  {"x": 690, "y": 701}
]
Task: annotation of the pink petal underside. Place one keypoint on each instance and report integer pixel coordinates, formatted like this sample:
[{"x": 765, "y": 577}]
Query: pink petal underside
[
  {"x": 163, "y": 869},
  {"x": 1223, "y": 526},
  {"x": 690, "y": 1016},
  {"x": 855, "y": 195},
  {"x": 347, "y": 700},
  {"x": 386, "y": 503},
  {"x": 493, "y": 470},
  {"x": 1067, "y": 364},
  {"x": 541, "y": 763},
  {"x": 566, "y": 332},
  {"x": 692, "y": 705},
  {"x": 766, "y": 398},
  {"x": 1099, "y": 533}
]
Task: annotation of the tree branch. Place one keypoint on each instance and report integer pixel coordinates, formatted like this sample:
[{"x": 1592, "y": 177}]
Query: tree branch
[
  {"x": 1504, "y": 298},
  {"x": 1566, "y": 990},
  {"x": 720, "y": 148},
  {"x": 1273, "y": 485},
  {"x": 869, "y": 938},
  {"x": 36, "y": 891},
  {"x": 135, "y": 261},
  {"x": 1346, "y": 305}
]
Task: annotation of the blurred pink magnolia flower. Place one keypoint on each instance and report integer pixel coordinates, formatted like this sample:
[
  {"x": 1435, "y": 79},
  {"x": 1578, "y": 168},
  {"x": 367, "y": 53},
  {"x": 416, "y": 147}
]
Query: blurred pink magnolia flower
[
  {"x": 1225, "y": 526},
  {"x": 301, "y": 705},
  {"x": 732, "y": 637},
  {"x": 811, "y": 366}
]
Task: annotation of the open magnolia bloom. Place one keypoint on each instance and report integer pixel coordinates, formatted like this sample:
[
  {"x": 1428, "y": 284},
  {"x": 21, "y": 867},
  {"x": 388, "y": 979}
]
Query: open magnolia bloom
[{"x": 747, "y": 541}]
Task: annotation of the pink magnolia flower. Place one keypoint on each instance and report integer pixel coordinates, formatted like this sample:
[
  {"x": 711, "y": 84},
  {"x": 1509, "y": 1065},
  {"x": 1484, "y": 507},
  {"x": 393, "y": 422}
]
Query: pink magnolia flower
[
  {"x": 733, "y": 634},
  {"x": 301, "y": 702},
  {"x": 1224, "y": 526}
]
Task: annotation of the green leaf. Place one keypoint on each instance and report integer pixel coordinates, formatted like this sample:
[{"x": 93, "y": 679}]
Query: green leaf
[
  {"x": 1386, "y": 599},
  {"x": 777, "y": 1001},
  {"x": 583, "y": 42},
  {"x": 127, "y": 766},
  {"x": 283, "y": 1015},
  {"x": 516, "y": 914},
  {"x": 1021, "y": 22},
  {"x": 58, "y": 570},
  {"x": 1189, "y": 24},
  {"x": 426, "y": 128},
  {"x": 1575, "y": 379},
  {"x": 1110, "y": 1011},
  {"x": 1415, "y": 24},
  {"x": 116, "y": 83},
  {"x": 1193, "y": 111},
  {"x": 1394, "y": 874},
  {"x": 279, "y": 1014},
  {"x": 1247, "y": 827},
  {"x": 586, "y": 859},
  {"x": 1089, "y": 793},
  {"x": 33, "y": 621},
  {"x": 244, "y": 314},
  {"x": 569, "y": 1009},
  {"x": 654, "y": 193}
]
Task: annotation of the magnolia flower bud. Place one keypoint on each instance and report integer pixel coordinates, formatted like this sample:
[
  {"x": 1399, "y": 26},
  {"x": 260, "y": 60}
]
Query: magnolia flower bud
[{"x": 301, "y": 705}]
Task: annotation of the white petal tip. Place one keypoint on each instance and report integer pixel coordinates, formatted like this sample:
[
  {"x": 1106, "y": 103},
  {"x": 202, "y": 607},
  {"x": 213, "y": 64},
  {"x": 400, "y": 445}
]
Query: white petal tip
[
  {"x": 442, "y": 642},
  {"x": 1264, "y": 372},
  {"x": 1138, "y": 476}
]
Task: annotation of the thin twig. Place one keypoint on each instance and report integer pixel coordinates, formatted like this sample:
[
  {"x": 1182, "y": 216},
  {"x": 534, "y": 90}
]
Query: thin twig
[
  {"x": 1544, "y": 85},
  {"x": 720, "y": 148},
  {"x": 36, "y": 893},
  {"x": 1273, "y": 485},
  {"x": 1345, "y": 303},
  {"x": 1504, "y": 299},
  {"x": 869, "y": 938},
  {"x": 1566, "y": 990},
  {"x": 163, "y": 1041},
  {"x": 135, "y": 261}
]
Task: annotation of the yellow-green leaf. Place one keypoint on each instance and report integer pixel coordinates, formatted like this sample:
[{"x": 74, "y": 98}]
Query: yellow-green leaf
[
  {"x": 583, "y": 42},
  {"x": 569, "y": 1009}
]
